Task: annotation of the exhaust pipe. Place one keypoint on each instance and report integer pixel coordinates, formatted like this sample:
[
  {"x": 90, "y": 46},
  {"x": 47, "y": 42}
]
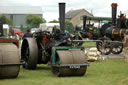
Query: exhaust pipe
[
  {"x": 114, "y": 12},
  {"x": 84, "y": 22},
  {"x": 62, "y": 16},
  {"x": 1, "y": 29}
]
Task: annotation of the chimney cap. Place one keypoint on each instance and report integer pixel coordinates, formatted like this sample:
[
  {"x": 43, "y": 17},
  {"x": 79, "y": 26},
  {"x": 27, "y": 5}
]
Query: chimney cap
[
  {"x": 61, "y": 2},
  {"x": 114, "y": 5}
]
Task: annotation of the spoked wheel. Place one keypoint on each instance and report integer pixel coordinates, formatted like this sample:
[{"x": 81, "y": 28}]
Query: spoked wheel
[
  {"x": 77, "y": 43},
  {"x": 104, "y": 46},
  {"x": 66, "y": 57},
  {"x": 117, "y": 48},
  {"x": 29, "y": 53}
]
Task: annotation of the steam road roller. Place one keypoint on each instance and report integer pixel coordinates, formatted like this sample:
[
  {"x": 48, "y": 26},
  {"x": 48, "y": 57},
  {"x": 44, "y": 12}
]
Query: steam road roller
[
  {"x": 110, "y": 35},
  {"x": 9, "y": 57},
  {"x": 114, "y": 32},
  {"x": 56, "y": 49}
]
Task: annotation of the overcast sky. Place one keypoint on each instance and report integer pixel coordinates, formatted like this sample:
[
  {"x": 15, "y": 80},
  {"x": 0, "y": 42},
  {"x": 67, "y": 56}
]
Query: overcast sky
[{"x": 50, "y": 7}]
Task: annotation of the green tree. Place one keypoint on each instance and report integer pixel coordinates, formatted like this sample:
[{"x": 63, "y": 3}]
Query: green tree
[
  {"x": 34, "y": 20},
  {"x": 54, "y": 21},
  {"x": 69, "y": 26},
  {"x": 5, "y": 20}
]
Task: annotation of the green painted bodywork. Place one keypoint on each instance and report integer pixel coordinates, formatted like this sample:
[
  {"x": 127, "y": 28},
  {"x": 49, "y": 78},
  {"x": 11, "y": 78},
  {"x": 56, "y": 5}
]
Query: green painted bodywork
[
  {"x": 100, "y": 18},
  {"x": 94, "y": 30}
]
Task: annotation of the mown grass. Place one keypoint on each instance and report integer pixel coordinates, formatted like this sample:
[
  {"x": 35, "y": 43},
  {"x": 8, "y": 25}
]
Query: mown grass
[
  {"x": 107, "y": 72},
  {"x": 89, "y": 44}
]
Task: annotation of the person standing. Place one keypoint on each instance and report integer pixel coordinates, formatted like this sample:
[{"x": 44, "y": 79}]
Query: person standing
[
  {"x": 125, "y": 46},
  {"x": 28, "y": 34}
]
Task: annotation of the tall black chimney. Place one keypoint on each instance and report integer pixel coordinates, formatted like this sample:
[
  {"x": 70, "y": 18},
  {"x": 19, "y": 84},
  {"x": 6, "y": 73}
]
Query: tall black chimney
[
  {"x": 1, "y": 29},
  {"x": 84, "y": 22},
  {"x": 114, "y": 12},
  {"x": 62, "y": 16}
]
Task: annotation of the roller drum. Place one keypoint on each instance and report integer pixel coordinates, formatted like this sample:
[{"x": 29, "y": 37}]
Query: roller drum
[
  {"x": 9, "y": 61},
  {"x": 70, "y": 57}
]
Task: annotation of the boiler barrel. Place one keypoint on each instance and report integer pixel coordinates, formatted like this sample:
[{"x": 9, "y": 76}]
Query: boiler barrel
[
  {"x": 114, "y": 33},
  {"x": 9, "y": 61}
]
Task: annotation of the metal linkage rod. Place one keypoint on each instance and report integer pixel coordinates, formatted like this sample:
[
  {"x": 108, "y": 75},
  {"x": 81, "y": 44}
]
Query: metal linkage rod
[
  {"x": 85, "y": 40},
  {"x": 115, "y": 41},
  {"x": 96, "y": 41}
]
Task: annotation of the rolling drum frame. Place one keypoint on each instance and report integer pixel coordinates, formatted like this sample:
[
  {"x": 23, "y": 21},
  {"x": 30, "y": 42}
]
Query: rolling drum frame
[
  {"x": 67, "y": 66},
  {"x": 9, "y": 64}
]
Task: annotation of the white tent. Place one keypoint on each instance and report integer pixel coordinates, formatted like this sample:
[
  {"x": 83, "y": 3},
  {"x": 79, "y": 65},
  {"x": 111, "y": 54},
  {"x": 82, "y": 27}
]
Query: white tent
[{"x": 48, "y": 26}]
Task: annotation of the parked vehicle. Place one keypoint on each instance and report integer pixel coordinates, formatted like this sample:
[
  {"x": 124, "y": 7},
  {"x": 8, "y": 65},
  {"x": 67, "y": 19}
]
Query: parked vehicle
[
  {"x": 15, "y": 32},
  {"x": 34, "y": 30},
  {"x": 48, "y": 26}
]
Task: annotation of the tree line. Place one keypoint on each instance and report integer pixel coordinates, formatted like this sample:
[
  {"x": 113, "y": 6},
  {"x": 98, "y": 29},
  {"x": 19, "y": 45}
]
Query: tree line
[{"x": 33, "y": 21}]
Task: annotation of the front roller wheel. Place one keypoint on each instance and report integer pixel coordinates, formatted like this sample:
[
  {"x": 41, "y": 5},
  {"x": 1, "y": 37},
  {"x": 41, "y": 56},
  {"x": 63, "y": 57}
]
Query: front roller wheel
[
  {"x": 29, "y": 53},
  {"x": 65, "y": 71},
  {"x": 70, "y": 57},
  {"x": 9, "y": 61}
]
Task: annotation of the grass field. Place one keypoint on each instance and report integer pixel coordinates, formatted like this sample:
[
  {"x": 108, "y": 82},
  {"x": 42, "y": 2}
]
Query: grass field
[
  {"x": 89, "y": 44},
  {"x": 107, "y": 72}
]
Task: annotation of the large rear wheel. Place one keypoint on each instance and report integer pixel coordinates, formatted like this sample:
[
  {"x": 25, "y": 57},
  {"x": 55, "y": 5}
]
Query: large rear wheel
[{"x": 29, "y": 53}]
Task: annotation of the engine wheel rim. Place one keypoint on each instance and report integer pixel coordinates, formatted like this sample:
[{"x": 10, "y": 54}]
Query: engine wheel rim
[
  {"x": 77, "y": 43},
  {"x": 26, "y": 58},
  {"x": 117, "y": 48},
  {"x": 104, "y": 47}
]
